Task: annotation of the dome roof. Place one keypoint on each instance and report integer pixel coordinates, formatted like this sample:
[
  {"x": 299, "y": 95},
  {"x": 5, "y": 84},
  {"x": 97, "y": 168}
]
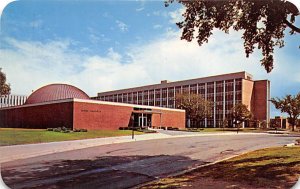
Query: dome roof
[{"x": 55, "y": 92}]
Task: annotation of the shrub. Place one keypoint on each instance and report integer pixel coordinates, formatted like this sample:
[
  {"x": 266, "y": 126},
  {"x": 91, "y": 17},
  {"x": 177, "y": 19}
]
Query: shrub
[
  {"x": 57, "y": 129},
  {"x": 147, "y": 131},
  {"x": 124, "y": 128},
  {"x": 49, "y": 129}
]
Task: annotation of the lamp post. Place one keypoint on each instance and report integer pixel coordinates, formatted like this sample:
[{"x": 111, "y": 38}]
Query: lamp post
[{"x": 132, "y": 120}]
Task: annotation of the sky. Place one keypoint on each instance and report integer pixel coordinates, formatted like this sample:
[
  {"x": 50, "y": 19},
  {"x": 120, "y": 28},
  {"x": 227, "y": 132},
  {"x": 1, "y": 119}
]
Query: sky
[{"x": 107, "y": 45}]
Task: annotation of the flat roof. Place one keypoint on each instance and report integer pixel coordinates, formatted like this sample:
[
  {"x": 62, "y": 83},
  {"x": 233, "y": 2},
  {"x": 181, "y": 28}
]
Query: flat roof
[{"x": 228, "y": 76}]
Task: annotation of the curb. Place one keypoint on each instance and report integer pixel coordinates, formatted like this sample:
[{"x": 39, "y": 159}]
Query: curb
[
  {"x": 188, "y": 170},
  {"x": 200, "y": 166},
  {"x": 289, "y": 145}
]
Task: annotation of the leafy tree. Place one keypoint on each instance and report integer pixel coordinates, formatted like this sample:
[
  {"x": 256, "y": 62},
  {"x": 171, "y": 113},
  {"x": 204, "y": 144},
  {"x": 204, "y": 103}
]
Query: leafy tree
[
  {"x": 4, "y": 87},
  {"x": 240, "y": 114},
  {"x": 196, "y": 107},
  {"x": 263, "y": 22},
  {"x": 289, "y": 104}
]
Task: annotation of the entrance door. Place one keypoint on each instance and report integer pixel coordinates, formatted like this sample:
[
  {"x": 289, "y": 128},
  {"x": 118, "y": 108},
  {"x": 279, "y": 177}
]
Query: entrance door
[{"x": 143, "y": 121}]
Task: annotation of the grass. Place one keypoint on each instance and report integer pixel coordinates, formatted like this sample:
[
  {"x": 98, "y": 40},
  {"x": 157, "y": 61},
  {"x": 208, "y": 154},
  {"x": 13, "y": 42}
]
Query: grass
[
  {"x": 266, "y": 168},
  {"x": 14, "y": 136},
  {"x": 211, "y": 130}
]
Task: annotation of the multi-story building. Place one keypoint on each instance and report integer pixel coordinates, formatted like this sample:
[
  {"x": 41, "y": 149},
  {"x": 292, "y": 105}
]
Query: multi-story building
[
  {"x": 224, "y": 90},
  {"x": 12, "y": 100}
]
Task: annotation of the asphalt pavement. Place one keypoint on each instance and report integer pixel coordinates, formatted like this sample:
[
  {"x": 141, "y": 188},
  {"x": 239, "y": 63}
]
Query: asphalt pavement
[{"x": 126, "y": 165}]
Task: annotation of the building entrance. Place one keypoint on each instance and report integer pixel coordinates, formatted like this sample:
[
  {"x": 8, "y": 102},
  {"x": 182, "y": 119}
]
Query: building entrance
[
  {"x": 143, "y": 121},
  {"x": 142, "y": 118}
]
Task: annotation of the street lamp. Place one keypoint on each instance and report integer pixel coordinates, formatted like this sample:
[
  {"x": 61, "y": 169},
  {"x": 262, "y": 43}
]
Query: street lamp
[{"x": 132, "y": 127}]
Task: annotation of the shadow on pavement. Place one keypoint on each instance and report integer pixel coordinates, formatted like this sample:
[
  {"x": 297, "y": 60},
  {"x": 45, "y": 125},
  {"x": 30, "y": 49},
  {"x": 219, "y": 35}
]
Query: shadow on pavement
[{"x": 101, "y": 172}]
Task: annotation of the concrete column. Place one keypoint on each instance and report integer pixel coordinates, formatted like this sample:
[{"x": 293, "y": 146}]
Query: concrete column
[
  {"x": 160, "y": 97},
  {"x": 268, "y": 104},
  {"x": 167, "y": 97},
  {"x": 224, "y": 98},
  {"x": 205, "y": 99},
  {"x": 215, "y": 91},
  {"x": 234, "y": 92},
  {"x": 174, "y": 98},
  {"x": 148, "y": 97},
  {"x": 142, "y": 120},
  {"x": 142, "y": 98},
  {"x": 154, "y": 97}
]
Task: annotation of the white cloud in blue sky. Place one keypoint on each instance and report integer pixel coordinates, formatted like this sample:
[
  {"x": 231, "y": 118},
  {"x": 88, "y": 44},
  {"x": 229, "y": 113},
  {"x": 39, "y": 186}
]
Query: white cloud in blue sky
[
  {"x": 122, "y": 26},
  {"x": 106, "y": 45}
]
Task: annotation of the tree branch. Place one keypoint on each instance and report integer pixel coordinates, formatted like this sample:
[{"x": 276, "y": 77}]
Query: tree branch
[{"x": 294, "y": 28}]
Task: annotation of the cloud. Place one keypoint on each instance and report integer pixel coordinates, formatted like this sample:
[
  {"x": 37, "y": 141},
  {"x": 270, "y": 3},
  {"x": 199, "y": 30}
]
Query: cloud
[
  {"x": 36, "y": 23},
  {"x": 96, "y": 37},
  {"x": 176, "y": 16},
  {"x": 139, "y": 9},
  {"x": 31, "y": 64},
  {"x": 157, "y": 26},
  {"x": 122, "y": 26}
]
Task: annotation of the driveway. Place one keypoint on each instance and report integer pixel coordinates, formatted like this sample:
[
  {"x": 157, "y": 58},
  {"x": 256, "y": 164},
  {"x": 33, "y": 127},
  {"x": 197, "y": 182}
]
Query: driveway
[{"x": 126, "y": 165}]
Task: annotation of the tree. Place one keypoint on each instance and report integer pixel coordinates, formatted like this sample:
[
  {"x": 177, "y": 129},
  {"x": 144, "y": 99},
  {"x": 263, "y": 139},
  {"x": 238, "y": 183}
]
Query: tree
[
  {"x": 240, "y": 114},
  {"x": 263, "y": 22},
  {"x": 4, "y": 87},
  {"x": 196, "y": 107},
  {"x": 289, "y": 104}
]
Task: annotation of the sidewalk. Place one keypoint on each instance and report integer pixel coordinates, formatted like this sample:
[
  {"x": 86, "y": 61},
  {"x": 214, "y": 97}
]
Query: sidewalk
[{"x": 10, "y": 153}]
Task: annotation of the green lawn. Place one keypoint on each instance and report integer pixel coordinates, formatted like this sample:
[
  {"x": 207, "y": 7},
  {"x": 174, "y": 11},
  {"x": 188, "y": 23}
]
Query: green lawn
[
  {"x": 208, "y": 130},
  {"x": 13, "y": 136},
  {"x": 263, "y": 168}
]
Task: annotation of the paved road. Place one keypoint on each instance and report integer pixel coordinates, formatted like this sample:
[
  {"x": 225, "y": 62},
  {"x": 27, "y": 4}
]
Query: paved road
[{"x": 129, "y": 164}]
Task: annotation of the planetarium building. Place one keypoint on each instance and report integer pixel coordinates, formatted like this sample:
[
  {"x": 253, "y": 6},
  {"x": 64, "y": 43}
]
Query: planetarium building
[{"x": 61, "y": 105}]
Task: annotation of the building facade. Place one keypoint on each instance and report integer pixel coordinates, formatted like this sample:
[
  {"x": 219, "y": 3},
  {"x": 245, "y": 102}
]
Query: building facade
[
  {"x": 12, "y": 100},
  {"x": 224, "y": 90},
  {"x": 283, "y": 123},
  {"x": 61, "y": 105}
]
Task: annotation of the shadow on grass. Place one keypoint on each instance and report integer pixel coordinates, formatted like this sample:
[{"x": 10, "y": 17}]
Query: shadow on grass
[
  {"x": 266, "y": 172},
  {"x": 102, "y": 172}
]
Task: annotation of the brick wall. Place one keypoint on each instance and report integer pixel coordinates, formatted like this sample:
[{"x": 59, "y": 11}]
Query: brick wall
[
  {"x": 88, "y": 115},
  {"x": 169, "y": 119},
  {"x": 260, "y": 100},
  {"x": 93, "y": 116},
  {"x": 38, "y": 117},
  {"x": 247, "y": 93},
  {"x": 100, "y": 116}
]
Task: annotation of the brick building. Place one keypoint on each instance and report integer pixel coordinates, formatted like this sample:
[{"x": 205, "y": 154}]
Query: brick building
[
  {"x": 60, "y": 105},
  {"x": 224, "y": 90},
  {"x": 283, "y": 123}
]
